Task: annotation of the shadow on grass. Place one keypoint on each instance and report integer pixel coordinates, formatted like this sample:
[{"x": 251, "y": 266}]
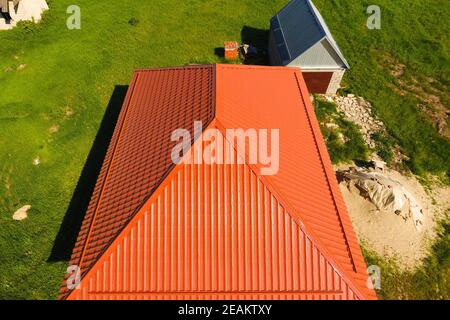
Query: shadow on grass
[
  {"x": 220, "y": 52},
  {"x": 68, "y": 232},
  {"x": 258, "y": 38}
]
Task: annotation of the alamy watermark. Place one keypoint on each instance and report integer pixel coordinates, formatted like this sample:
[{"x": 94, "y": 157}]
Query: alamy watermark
[
  {"x": 73, "y": 22},
  {"x": 260, "y": 146},
  {"x": 74, "y": 279},
  {"x": 374, "y": 19},
  {"x": 374, "y": 279}
]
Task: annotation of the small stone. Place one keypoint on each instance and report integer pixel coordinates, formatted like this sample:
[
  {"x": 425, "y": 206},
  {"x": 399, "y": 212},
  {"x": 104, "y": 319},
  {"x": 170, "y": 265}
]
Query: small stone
[
  {"x": 331, "y": 125},
  {"x": 21, "y": 214},
  {"x": 341, "y": 138},
  {"x": 36, "y": 162}
]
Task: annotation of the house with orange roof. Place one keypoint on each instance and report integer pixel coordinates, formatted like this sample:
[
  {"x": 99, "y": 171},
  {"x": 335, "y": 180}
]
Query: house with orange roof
[{"x": 173, "y": 218}]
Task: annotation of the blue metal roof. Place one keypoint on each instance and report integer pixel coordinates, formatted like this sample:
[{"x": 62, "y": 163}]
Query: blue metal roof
[{"x": 298, "y": 27}]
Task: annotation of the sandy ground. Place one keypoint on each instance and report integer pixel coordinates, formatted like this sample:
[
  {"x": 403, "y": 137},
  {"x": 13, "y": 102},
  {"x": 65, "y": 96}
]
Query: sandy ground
[{"x": 389, "y": 234}]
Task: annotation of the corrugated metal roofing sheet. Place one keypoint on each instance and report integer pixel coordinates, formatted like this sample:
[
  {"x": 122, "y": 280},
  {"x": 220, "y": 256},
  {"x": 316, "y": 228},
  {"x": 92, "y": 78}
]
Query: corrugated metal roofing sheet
[
  {"x": 305, "y": 183},
  {"x": 206, "y": 230},
  {"x": 213, "y": 232},
  {"x": 138, "y": 158}
]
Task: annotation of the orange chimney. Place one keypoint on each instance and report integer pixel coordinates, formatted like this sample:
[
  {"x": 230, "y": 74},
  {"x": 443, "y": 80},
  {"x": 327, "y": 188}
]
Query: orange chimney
[{"x": 231, "y": 50}]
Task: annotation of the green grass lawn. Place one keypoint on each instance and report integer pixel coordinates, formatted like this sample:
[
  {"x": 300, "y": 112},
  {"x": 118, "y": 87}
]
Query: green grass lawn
[{"x": 55, "y": 85}]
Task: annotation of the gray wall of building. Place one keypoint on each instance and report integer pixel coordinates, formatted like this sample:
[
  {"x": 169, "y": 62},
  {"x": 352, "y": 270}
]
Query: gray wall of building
[{"x": 319, "y": 56}]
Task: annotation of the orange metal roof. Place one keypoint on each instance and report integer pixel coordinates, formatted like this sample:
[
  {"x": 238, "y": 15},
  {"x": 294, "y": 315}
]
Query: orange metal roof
[
  {"x": 218, "y": 231},
  {"x": 138, "y": 158}
]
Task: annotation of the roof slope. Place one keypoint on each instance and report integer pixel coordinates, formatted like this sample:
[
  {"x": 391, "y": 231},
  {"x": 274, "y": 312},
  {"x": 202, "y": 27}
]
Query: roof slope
[
  {"x": 305, "y": 184},
  {"x": 138, "y": 158},
  {"x": 298, "y": 27},
  {"x": 180, "y": 248},
  {"x": 197, "y": 258}
]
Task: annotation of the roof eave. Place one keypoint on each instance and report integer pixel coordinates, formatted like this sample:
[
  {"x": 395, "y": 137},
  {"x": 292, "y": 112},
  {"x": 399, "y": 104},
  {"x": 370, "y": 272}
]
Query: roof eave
[{"x": 338, "y": 52}]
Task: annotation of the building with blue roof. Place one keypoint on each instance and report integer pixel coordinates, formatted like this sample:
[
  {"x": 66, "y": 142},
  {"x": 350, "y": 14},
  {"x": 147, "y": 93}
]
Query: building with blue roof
[{"x": 299, "y": 37}]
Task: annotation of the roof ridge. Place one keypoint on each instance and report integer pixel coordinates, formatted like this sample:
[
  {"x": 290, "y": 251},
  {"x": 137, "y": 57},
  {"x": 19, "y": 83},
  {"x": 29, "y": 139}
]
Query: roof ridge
[
  {"x": 317, "y": 133},
  {"x": 316, "y": 18},
  {"x": 137, "y": 210},
  {"x": 284, "y": 38},
  {"x": 356, "y": 267},
  {"x": 91, "y": 225},
  {"x": 161, "y": 180}
]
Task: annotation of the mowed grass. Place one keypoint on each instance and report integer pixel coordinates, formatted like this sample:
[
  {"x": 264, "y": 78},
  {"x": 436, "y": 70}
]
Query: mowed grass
[{"x": 69, "y": 76}]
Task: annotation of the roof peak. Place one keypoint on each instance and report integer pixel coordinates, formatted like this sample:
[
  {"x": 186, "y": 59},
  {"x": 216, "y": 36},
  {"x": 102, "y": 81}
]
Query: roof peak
[{"x": 291, "y": 19}]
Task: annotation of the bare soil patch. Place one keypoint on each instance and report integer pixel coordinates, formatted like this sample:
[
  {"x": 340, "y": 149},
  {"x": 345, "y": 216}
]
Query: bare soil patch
[
  {"x": 389, "y": 234},
  {"x": 431, "y": 94}
]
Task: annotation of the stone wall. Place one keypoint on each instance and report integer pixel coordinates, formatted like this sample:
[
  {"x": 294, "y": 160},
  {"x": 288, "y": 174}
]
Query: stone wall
[{"x": 335, "y": 82}]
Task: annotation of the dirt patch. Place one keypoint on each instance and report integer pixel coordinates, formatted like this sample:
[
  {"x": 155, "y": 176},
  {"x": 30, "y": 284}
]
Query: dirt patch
[
  {"x": 431, "y": 94},
  {"x": 388, "y": 233},
  {"x": 396, "y": 69},
  {"x": 68, "y": 113},
  {"x": 7, "y": 182},
  {"x": 53, "y": 129}
]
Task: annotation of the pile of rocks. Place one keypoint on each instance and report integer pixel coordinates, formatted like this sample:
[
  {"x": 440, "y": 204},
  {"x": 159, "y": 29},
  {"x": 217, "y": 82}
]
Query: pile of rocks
[{"x": 359, "y": 111}]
